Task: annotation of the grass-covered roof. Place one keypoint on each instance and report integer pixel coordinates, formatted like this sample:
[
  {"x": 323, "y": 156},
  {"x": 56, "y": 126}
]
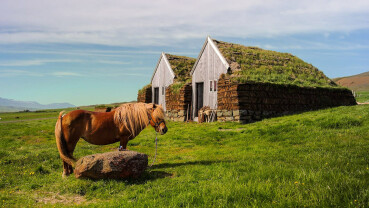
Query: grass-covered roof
[
  {"x": 144, "y": 88},
  {"x": 181, "y": 66},
  {"x": 259, "y": 65}
]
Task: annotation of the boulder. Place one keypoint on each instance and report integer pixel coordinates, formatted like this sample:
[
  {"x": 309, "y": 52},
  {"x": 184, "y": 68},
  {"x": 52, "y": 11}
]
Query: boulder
[{"x": 111, "y": 165}]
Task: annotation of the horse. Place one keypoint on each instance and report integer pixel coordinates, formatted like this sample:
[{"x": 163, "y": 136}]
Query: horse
[{"x": 122, "y": 124}]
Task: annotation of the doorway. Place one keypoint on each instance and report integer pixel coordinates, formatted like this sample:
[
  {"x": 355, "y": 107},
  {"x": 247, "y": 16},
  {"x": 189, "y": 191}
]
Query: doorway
[
  {"x": 156, "y": 95},
  {"x": 199, "y": 97}
]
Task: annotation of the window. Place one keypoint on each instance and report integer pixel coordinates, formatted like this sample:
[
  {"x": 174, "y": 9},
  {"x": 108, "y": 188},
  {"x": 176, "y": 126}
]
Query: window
[
  {"x": 162, "y": 90},
  {"x": 211, "y": 85},
  {"x": 215, "y": 85}
]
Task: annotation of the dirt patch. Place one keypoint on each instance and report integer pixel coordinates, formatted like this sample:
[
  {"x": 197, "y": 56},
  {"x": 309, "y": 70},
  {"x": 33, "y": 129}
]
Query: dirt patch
[
  {"x": 54, "y": 198},
  {"x": 238, "y": 129}
]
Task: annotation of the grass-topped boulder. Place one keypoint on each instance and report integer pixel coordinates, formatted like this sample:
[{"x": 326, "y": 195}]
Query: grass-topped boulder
[{"x": 259, "y": 65}]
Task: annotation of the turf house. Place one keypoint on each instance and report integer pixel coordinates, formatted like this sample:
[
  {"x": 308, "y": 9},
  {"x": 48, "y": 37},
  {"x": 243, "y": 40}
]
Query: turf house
[
  {"x": 245, "y": 84},
  {"x": 170, "y": 86}
]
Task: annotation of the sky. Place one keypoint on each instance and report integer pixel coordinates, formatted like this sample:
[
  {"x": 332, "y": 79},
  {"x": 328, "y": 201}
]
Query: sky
[{"x": 95, "y": 52}]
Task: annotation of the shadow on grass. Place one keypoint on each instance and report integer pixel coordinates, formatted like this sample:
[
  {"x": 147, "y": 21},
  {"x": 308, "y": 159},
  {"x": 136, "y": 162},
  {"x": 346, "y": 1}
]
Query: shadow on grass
[
  {"x": 146, "y": 176},
  {"x": 202, "y": 162},
  {"x": 151, "y": 174}
]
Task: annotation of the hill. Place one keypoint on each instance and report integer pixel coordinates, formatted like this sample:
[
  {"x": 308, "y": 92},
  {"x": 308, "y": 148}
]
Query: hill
[
  {"x": 359, "y": 82},
  {"x": 9, "y": 105}
]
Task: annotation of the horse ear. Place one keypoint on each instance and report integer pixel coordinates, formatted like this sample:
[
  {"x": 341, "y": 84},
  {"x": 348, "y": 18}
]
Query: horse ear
[{"x": 151, "y": 106}]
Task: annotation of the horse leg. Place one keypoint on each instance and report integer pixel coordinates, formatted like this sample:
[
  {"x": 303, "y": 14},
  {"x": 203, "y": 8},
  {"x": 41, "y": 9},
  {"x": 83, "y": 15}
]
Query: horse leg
[
  {"x": 71, "y": 142},
  {"x": 123, "y": 144},
  {"x": 65, "y": 169}
]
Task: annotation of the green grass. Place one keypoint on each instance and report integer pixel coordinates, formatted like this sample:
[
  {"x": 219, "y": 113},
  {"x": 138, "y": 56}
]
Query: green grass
[
  {"x": 144, "y": 88},
  {"x": 181, "y": 66},
  {"x": 362, "y": 96},
  {"x": 314, "y": 159},
  {"x": 176, "y": 86},
  {"x": 12, "y": 109},
  {"x": 259, "y": 65},
  {"x": 54, "y": 113}
]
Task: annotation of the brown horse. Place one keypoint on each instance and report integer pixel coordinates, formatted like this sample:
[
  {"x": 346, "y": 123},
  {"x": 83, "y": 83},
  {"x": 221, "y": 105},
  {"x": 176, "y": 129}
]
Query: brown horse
[{"x": 122, "y": 124}]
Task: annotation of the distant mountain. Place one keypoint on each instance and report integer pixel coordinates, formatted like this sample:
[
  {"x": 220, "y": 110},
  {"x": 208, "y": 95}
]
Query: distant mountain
[
  {"x": 9, "y": 105},
  {"x": 359, "y": 82}
]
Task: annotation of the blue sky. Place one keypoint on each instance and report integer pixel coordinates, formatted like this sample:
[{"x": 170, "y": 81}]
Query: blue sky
[{"x": 93, "y": 52}]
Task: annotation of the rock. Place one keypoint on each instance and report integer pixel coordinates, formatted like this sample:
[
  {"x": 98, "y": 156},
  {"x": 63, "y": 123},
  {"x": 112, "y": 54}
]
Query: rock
[
  {"x": 181, "y": 113},
  {"x": 111, "y": 165},
  {"x": 236, "y": 112}
]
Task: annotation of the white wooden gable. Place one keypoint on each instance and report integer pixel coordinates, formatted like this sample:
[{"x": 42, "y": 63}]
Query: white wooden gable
[
  {"x": 209, "y": 65},
  {"x": 163, "y": 77}
]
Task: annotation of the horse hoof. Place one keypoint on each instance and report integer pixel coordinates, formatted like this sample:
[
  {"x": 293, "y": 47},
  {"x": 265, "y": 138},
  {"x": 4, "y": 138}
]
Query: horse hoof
[
  {"x": 65, "y": 175},
  {"x": 121, "y": 149}
]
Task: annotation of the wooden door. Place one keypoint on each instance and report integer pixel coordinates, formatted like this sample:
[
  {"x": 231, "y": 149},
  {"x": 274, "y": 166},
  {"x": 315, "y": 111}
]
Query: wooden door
[
  {"x": 156, "y": 95},
  {"x": 199, "y": 97}
]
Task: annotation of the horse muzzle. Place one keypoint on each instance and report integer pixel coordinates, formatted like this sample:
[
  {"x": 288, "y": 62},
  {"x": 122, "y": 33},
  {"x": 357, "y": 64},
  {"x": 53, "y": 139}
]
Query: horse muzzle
[{"x": 164, "y": 130}]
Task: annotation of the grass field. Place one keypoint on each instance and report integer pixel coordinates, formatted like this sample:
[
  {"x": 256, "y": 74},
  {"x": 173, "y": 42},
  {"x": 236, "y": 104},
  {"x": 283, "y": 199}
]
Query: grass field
[
  {"x": 362, "y": 96},
  {"x": 314, "y": 159}
]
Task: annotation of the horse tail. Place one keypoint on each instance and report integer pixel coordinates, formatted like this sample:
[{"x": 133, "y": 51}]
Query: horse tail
[{"x": 61, "y": 143}]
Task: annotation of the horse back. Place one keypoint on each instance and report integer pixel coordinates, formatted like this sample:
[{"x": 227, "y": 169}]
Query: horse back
[{"x": 92, "y": 126}]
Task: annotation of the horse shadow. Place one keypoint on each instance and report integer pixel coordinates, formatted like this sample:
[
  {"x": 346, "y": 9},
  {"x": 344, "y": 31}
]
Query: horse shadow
[{"x": 201, "y": 162}]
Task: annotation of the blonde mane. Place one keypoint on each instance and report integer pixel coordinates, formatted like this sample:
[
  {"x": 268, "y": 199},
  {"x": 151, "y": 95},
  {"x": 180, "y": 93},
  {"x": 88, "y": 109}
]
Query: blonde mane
[{"x": 135, "y": 116}]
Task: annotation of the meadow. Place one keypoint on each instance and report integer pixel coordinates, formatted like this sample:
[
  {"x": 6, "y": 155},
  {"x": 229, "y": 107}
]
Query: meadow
[
  {"x": 362, "y": 96},
  {"x": 312, "y": 159}
]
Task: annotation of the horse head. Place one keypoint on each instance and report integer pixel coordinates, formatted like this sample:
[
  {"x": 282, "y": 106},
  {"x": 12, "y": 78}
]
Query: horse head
[{"x": 157, "y": 118}]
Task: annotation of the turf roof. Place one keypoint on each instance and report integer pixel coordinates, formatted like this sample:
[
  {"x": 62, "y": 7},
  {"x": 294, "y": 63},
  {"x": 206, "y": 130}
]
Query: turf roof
[
  {"x": 259, "y": 65},
  {"x": 144, "y": 88},
  {"x": 181, "y": 66}
]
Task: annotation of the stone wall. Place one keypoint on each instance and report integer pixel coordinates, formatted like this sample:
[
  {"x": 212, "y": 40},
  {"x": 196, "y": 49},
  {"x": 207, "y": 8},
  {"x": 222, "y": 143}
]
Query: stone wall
[
  {"x": 254, "y": 101},
  {"x": 145, "y": 96},
  {"x": 178, "y": 103}
]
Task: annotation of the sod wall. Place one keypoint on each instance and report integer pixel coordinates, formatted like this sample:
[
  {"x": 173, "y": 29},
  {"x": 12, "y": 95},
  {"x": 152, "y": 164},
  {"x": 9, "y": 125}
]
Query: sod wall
[
  {"x": 178, "y": 103},
  {"x": 254, "y": 101},
  {"x": 145, "y": 95}
]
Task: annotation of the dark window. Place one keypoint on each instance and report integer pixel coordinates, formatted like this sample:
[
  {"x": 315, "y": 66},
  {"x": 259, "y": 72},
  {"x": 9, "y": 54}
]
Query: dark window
[
  {"x": 215, "y": 85},
  {"x": 211, "y": 86}
]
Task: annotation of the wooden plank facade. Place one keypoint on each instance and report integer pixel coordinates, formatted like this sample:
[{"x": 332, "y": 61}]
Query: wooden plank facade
[
  {"x": 205, "y": 73},
  {"x": 163, "y": 77}
]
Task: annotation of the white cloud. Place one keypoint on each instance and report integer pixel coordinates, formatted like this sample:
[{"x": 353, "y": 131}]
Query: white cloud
[
  {"x": 112, "y": 62},
  {"x": 15, "y": 73},
  {"x": 35, "y": 62},
  {"x": 64, "y": 73},
  {"x": 94, "y": 73},
  {"x": 141, "y": 23}
]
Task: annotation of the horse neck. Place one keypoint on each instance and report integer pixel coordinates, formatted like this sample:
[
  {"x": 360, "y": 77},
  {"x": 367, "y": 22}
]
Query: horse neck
[{"x": 140, "y": 128}]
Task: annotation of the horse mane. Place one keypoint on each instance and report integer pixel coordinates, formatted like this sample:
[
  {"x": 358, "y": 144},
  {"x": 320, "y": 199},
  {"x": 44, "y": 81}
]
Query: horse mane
[{"x": 135, "y": 116}]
